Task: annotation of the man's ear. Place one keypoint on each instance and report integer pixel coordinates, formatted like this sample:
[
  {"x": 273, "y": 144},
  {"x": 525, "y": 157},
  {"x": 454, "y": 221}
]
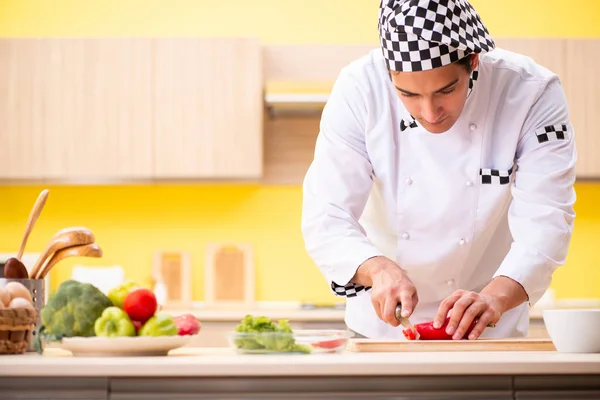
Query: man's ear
[{"x": 474, "y": 61}]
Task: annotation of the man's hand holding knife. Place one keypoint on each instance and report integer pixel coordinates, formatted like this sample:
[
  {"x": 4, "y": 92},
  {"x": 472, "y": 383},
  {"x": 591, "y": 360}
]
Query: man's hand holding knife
[{"x": 390, "y": 286}]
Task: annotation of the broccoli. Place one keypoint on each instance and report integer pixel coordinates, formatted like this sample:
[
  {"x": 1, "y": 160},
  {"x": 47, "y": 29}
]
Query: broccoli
[
  {"x": 73, "y": 309},
  {"x": 282, "y": 339}
]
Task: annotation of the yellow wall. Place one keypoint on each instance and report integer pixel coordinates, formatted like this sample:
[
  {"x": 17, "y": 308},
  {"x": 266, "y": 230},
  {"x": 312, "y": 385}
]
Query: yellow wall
[
  {"x": 130, "y": 222},
  {"x": 142, "y": 219},
  {"x": 275, "y": 21}
]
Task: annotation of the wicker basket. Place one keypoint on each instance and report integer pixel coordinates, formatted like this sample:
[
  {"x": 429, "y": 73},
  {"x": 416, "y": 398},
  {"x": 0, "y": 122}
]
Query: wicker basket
[{"x": 16, "y": 325}]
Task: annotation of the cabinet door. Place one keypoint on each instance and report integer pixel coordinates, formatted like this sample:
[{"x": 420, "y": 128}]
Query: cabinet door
[
  {"x": 208, "y": 108},
  {"x": 582, "y": 87},
  {"x": 75, "y": 109},
  {"x": 109, "y": 133},
  {"x": 27, "y": 111}
]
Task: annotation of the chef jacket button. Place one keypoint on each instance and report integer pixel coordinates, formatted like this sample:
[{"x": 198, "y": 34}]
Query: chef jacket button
[
  {"x": 405, "y": 235},
  {"x": 450, "y": 282},
  {"x": 461, "y": 242},
  {"x": 408, "y": 181},
  {"x": 472, "y": 127},
  {"x": 469, "y": 183}
]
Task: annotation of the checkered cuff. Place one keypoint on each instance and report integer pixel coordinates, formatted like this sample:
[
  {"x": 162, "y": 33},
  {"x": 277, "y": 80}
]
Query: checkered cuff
[{"x": 350, "y": 290}]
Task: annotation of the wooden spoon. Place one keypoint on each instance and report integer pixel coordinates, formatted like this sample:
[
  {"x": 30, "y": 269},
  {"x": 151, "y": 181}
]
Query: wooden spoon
[
  {"x": 33, "y": 217},
  {"x": 86, "y": 250},
  {"x": 14, "y": 267},
  {"x": 74, "y": 236}
]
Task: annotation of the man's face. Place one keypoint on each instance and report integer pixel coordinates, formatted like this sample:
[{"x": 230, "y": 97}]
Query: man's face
[{"x": 435, "y": 98}]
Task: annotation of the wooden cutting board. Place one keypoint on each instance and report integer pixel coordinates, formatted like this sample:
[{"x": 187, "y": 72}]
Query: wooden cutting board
[
  {"x": 229, "y": 275},
  {"x": 374, "y": 346},
  {"x": 173, "y": 268}
]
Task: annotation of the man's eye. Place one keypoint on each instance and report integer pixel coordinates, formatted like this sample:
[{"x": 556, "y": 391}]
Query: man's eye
[
  {"x": 407, "y": 94},
  {"x": 448, "y": 91}
]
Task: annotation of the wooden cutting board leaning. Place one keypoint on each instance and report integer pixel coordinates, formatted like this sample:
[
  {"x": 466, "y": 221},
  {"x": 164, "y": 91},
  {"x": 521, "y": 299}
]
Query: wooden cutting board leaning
[
  {"x": 229, "y": 275},
  {"x": 373, "y": 346}
]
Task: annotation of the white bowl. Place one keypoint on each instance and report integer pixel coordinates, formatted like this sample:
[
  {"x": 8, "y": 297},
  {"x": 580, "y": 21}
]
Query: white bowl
[{"x": 574, "y": 330}]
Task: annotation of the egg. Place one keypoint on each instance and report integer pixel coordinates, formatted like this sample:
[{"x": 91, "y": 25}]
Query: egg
[
  {"x": 16, "y": 289},
  {"x": 19, "y": 302},
  {"x": 4, "y": 296}
]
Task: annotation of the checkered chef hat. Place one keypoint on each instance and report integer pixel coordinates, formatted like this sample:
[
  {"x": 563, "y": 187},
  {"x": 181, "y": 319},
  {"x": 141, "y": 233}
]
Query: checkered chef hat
[{"x": 418, "y": 35}]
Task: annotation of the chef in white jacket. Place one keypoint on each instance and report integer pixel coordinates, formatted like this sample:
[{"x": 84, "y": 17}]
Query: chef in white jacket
[{"x": 442, "y": 178}]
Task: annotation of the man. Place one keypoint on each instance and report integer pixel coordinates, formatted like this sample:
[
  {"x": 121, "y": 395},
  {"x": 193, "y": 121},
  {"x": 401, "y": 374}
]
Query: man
[{"x": 442, "y": 178}]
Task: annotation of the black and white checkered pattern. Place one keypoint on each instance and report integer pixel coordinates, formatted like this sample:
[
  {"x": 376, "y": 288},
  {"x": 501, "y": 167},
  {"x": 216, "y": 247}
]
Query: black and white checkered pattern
[
  {"x": 409, "y": 123},
  {"x": 418, "y": 35},
  {"x": 551, "y": 132},
  {"x": 474, "y": 76},
  {"x": 495, "y": 176},
  {"x": 350, "y": 290}
]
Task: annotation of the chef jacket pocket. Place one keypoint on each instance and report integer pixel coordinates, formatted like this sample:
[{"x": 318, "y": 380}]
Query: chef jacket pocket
[
  {"x": 489, "y": 176},
  {"x": 494, "y": 195}
]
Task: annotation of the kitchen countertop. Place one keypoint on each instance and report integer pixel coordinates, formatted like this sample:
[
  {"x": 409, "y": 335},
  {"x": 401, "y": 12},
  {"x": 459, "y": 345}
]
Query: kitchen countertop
[
  {"x": 210, "y": 373},
  {"x": 225, "y": 362}
]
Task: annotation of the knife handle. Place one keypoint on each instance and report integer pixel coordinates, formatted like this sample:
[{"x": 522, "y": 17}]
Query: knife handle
[{"x": 398, "y": 311}]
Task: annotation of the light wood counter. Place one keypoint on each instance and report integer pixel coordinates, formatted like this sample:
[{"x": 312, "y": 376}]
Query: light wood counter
[
  {"x": 225, "y": 362},
  {"x": 208, "y": 373}
]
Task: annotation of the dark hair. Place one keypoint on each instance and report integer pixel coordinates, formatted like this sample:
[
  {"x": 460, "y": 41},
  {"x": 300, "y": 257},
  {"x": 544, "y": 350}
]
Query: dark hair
[{"x": 466, "y": 62}]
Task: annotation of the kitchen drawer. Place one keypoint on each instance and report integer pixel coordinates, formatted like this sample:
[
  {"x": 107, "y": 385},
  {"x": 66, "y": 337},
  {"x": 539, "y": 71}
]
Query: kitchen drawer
[
  {"x": 330, "y": 388},
  {"x": 558, "y": 395},
  {"x": 22, "y": 388}
]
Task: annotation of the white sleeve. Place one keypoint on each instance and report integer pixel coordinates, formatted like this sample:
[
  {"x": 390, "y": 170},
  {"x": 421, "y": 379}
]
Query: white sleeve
[
  {"x": 336, "y": 188},
  {"x": 541, "y": 213}
]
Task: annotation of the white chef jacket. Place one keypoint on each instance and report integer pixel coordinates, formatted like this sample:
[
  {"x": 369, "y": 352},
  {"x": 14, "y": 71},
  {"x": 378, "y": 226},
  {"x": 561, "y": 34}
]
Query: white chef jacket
[{"x": 491, "y": 196}]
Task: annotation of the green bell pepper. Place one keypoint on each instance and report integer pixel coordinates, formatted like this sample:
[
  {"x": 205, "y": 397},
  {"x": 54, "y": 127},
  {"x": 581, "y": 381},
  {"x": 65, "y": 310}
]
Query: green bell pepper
[
  {"x": 114, "y": 322},
  {"x": 117, "y": 294},
  {"x": 159, "y": 325}
]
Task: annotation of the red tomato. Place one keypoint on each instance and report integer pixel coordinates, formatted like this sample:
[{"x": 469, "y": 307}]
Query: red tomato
[{"x": 140, "y": 304}]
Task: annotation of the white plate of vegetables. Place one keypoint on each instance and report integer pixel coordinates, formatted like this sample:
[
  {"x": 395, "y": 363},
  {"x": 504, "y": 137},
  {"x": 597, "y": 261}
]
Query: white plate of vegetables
[{"x": 126, "y": 322}]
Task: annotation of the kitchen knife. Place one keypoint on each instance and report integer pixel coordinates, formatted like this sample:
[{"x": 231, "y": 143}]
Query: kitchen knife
[{"x": 405, "y": 322}]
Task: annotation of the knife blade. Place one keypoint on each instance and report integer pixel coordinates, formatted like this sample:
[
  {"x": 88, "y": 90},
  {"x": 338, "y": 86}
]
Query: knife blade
[{"x": 405, "y": 321}]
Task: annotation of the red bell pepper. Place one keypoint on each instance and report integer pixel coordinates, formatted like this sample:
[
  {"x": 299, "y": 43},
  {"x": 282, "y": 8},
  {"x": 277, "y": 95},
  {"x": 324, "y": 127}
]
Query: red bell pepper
[
  {"x": 428, "y": 332},
  {"x": 409, "y": 334}
]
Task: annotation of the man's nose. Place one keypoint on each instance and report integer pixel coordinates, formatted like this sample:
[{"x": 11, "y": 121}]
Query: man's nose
[{"x": 430, "y": 111}]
